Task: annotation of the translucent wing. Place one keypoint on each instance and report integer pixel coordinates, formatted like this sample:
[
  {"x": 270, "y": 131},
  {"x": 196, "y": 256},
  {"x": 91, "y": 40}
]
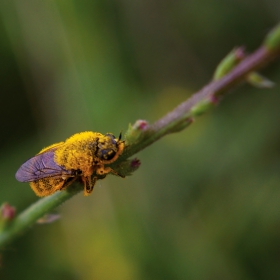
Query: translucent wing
[{"x": 41, "y": 166}]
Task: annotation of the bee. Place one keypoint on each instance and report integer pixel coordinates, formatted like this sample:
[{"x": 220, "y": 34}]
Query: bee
[{"x": 83, "y": 155}]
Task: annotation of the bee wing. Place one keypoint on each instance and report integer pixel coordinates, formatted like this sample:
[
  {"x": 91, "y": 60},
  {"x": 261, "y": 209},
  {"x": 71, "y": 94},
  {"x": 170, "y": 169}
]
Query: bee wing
[{"x": 41, "y": 166}]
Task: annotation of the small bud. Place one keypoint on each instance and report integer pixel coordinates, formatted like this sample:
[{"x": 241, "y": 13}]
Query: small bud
[
  {"x": 229, "y": 62},
  {"x": 135, "y": 163},
  {"x": 272, "y": 40},
  {"x": 203, "y": 106},
  {"x": 182, "y": 124},
  {"x": 214, "y": 100},
  {"x": 257, "y": 80},
  {"x": 239, "y": 53},
  {"x": 127, "y": 167},
  {"x": 7, "y": 212},
  {"x": 140, "y": 125},
  {"x": 135, "y": 131},
  {"x": 48, "y": 219}
]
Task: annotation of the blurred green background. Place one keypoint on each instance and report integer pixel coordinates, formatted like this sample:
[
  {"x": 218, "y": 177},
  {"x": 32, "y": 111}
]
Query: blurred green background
[{"x": 205, "y": 203}]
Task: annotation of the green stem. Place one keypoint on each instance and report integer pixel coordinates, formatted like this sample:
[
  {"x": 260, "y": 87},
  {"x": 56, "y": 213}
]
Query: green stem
[
  {"x": 184, "y": 114},
  {"x": 175, "y": 121},
  {"x": 28, "y": 217}
]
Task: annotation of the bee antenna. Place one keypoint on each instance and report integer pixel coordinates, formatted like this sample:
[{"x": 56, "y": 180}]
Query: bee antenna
[{"x": 120, "y": 136}]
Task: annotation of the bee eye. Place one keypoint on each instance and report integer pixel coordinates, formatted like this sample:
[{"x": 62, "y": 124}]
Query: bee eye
[
  {"x": 110, "y": 135},
  {"x": 107, "y": 154}
]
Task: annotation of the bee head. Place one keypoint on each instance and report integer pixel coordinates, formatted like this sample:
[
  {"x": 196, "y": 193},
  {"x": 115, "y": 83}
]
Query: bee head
[{"x": 108, "y": 147}]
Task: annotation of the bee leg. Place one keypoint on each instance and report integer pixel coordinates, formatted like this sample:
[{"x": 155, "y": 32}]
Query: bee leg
[
  {"x": 116, "y": 173},
  {"x": 67, "y": 183},
  {"x": 105, "y": 170},
  {"x": 89, "y": 184}
]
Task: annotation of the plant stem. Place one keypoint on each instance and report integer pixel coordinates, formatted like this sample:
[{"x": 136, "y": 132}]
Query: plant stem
[
  {"x": 14, "y": 228},
  {"x": 183, "y": 115},
  {"x": 178, "y": 119}
]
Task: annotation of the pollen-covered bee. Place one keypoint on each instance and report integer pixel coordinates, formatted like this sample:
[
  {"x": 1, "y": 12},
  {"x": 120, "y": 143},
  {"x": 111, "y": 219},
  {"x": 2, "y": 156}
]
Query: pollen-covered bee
[{"x": 83, "y": 155}]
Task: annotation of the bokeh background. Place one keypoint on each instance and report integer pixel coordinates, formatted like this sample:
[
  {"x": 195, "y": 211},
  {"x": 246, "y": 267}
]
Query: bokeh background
[{"x": 205, "y": 203}]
